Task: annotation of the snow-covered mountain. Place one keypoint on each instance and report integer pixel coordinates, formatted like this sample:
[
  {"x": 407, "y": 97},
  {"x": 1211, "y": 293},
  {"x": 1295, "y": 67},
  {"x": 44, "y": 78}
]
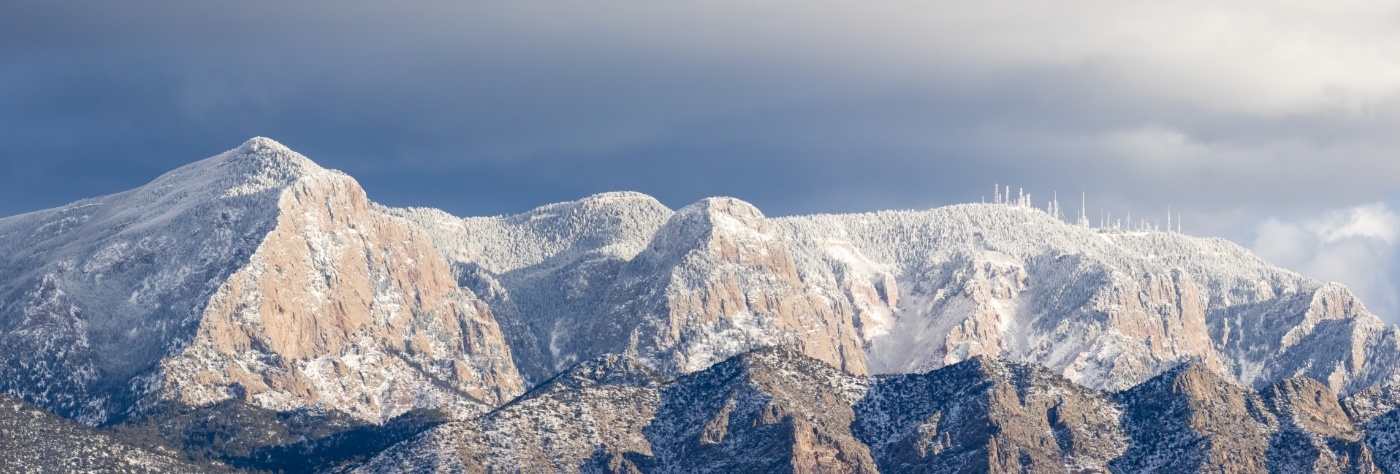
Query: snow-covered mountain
[
  {"x": 254, "y": 274},
  {"x": 902, "y": 292},
  {"x": 259, "y": 277}
]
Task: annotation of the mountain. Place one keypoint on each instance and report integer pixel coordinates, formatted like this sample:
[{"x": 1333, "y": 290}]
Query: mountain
[
  {"x": 776, "y": 410},
  {"x": 255, "y": 275},
  {"x": 258, "y": 311},
  {"x": 902, "y": 292}
]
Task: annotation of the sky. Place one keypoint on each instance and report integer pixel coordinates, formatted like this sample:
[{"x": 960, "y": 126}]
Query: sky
[{"x": 1275, "y": 124}]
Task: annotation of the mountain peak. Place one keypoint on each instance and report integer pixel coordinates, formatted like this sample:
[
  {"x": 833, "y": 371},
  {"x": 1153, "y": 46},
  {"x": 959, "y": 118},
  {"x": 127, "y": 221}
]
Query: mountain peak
[
  {"x": 259, "y": 164},
  {"x": 261, "y": 155},
  {"x": 725, "y": 218},
  {"x": 256, "y": 144},
  {"x": 727, "y": 206}
]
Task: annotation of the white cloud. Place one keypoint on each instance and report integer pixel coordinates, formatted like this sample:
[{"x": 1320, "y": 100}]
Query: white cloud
[
  {"x": 1374, "y": 221},
  {"x": 1354, "y": 246}
]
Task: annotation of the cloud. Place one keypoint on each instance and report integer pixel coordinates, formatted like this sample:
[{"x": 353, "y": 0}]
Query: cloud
[
  {"x": 1371, "y": 222},
  {"x": 1354, "y": 246},
  {"x": 1224, "y": 110}
]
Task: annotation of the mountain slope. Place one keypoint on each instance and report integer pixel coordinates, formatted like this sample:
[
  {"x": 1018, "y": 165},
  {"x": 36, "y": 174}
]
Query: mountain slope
[
  {"x": 36, "y": 441},
  {"x": 255, "y": 275}
]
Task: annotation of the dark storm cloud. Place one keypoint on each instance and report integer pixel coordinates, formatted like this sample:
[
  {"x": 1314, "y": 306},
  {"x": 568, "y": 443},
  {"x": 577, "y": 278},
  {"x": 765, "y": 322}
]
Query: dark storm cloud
[{"x": 1234, "y": 114}]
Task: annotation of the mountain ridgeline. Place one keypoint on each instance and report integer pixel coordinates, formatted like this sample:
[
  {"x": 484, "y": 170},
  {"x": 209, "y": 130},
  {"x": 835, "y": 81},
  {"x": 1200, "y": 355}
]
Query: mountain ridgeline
[{"x": 614, "y": 333}]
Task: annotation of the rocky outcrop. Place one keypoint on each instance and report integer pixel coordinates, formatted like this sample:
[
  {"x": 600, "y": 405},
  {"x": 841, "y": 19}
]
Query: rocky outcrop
[
  {"x": 619, "y": 273},
  {"x": 1376, "y": 410},
  {"x": 347, "y": 307},
  {"x": 1191, "y": 419},
  {"x": 93, "y": 295},
  {"x": 903, "y": 292}
]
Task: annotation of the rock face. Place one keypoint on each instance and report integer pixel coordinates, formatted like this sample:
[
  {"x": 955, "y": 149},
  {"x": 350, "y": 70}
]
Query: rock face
[
  {"x": 254, "y": 275},
  {"x": 717, "y": 280},
  {"x": 1315, "y": 433},
  {"x": 1190, "y": 419},
  {"x": 344, "y": 306},
  {"x": 583, "y": 419},
  {"x": 1376, "y": 410},
  {"x": 94, "y": 294},
  {"x": 769, "y": 410}
]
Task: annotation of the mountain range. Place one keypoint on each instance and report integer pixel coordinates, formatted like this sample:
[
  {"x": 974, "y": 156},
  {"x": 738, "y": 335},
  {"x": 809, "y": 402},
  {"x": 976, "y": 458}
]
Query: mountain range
[{"x": 330, "y": 333}]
